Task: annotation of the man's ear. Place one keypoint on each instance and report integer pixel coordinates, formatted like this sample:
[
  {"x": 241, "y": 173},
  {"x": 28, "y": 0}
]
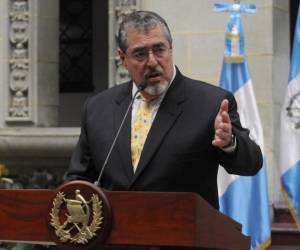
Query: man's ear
[{"x": 122, "y": 57}]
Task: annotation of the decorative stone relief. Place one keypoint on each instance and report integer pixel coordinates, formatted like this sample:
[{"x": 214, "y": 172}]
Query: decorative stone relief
[
  {"x": 19, "y": 63},
  {"x": 123, "y": 8}
]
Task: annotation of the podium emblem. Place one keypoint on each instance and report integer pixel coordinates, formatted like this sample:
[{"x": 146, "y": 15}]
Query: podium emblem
[{"x": 76, "y": 220}]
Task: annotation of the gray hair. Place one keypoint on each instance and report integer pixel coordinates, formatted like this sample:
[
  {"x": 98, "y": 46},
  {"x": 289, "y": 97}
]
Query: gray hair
[{"x": 141, "y": 21}]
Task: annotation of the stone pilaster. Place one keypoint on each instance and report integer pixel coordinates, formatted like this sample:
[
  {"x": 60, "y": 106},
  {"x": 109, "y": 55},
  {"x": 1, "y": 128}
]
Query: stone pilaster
[
  {"x": 4, "y": 60},
  {"x": 29, "y": 47}
]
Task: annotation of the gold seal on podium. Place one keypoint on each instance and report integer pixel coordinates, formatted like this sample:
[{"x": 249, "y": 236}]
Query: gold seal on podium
[
  {"x": 82, "y": 219},
  {"x": 79, "y": 215}
]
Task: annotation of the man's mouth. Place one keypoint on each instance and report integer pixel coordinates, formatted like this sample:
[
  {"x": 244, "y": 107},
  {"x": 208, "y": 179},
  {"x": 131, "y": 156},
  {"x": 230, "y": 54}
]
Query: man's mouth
[{"x": 154, "y": 76}]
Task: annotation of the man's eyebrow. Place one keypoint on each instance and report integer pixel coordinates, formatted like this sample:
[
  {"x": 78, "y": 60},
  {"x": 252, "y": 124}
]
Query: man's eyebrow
[
  {"x": 139, "y": 49},
  {"x": 145, "y": 48},
  {"x": 159, "y": 44}
]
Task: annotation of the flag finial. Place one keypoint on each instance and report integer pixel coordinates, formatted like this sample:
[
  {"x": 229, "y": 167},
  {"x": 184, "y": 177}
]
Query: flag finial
[
  {"x": 235, "y": 7},
  {"x": 234, "y": 40}
]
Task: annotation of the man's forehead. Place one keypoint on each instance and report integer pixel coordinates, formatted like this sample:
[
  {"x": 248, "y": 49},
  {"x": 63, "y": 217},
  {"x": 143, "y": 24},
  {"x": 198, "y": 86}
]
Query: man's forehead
[
  {"x": 142, "y": 39},
  {"x": 145, "y": 32},
  {"x": 152, "y": 45}
]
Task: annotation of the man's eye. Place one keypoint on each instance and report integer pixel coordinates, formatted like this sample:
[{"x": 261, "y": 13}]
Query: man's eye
[
  {"x": 159, "y": 50},
  {"x": 140, "y": 54}
]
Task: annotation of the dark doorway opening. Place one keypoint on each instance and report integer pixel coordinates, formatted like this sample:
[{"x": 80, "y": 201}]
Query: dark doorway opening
[{"x": 83, "y": 67}]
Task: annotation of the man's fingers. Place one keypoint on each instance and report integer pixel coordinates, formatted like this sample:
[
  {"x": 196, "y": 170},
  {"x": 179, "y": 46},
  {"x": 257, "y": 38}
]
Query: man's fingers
[
  {"x": 222, "y": 126},
  {"x": 225, "y": 117},
  {"x": 224, "y": 105},
  {"x": 222, "y": 134},
  {"x": 219, "y": 142},
  {"x": 223, "y": 112}
]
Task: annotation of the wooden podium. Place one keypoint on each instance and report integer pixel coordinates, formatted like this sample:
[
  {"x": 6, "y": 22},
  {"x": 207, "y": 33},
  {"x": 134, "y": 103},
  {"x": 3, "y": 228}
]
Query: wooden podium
[{"x": 132, "y": 220}]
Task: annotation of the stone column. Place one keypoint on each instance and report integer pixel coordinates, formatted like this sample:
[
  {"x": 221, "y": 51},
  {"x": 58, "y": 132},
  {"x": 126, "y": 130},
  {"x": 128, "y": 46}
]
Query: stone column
[
  {"x": 29, "y": 63},
  {"x": 4, "y": 61}
]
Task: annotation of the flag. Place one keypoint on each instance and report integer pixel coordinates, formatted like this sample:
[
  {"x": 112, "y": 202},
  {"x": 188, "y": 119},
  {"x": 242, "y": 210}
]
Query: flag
[
  {"x": 290, "y": 132},
  {"x": 243, "y": 198}
]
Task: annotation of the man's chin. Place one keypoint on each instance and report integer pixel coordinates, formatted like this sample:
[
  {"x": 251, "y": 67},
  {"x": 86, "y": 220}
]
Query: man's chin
[{"x": 156, "y": 89}]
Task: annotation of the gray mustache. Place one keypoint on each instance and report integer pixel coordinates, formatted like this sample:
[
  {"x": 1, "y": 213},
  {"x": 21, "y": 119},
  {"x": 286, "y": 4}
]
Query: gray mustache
[{"x": 151, "y": 71}]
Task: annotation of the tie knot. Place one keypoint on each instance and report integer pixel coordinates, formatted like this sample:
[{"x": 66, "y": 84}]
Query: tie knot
[
  {"x": 145, "y": 103},
  {"x": 141, "y": 97}
]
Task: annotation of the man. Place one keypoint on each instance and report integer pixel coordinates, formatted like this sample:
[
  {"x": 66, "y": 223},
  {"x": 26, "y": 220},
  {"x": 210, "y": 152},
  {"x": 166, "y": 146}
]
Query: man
[{"x": 194, "y": 127}]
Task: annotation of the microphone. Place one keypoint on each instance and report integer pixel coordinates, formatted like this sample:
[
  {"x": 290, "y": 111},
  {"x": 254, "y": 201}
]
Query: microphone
[{"x": 141, "y": 87}]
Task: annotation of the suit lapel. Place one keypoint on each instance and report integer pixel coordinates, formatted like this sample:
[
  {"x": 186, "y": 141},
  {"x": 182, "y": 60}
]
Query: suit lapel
[
  {"x": 169, "y": 110},
  {"x": 123, "y": 142}
]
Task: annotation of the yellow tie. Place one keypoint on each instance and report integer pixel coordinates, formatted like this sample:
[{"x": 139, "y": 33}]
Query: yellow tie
[{"x": 139, "y": 131}]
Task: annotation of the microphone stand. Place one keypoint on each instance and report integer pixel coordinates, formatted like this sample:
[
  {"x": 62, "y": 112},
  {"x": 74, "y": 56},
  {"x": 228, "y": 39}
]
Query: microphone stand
[{"x": 141, "y": 87}]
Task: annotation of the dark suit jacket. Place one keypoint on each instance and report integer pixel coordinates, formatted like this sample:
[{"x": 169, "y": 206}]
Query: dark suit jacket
[{"x": 178, "y": 154}]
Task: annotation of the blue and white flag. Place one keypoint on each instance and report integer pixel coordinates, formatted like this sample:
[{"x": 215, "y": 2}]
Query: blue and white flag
[
  {"x": 290, "y": 132},
  {"x": 243, "y": 198}
]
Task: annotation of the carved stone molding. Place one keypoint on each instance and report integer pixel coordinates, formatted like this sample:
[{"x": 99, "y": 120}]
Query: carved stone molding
[
  {"x": 37, "y": 147},
  {"x": 122, "y": 8},
  {"x": 18, "y": 101}
]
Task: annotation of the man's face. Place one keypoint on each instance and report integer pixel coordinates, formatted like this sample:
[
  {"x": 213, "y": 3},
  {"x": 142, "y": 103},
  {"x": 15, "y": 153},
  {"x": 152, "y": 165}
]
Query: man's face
[{"x": 149, "y": 58}]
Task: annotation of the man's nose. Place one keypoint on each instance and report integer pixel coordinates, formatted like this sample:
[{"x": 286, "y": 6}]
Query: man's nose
[{"x": 152, "y": 61}]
